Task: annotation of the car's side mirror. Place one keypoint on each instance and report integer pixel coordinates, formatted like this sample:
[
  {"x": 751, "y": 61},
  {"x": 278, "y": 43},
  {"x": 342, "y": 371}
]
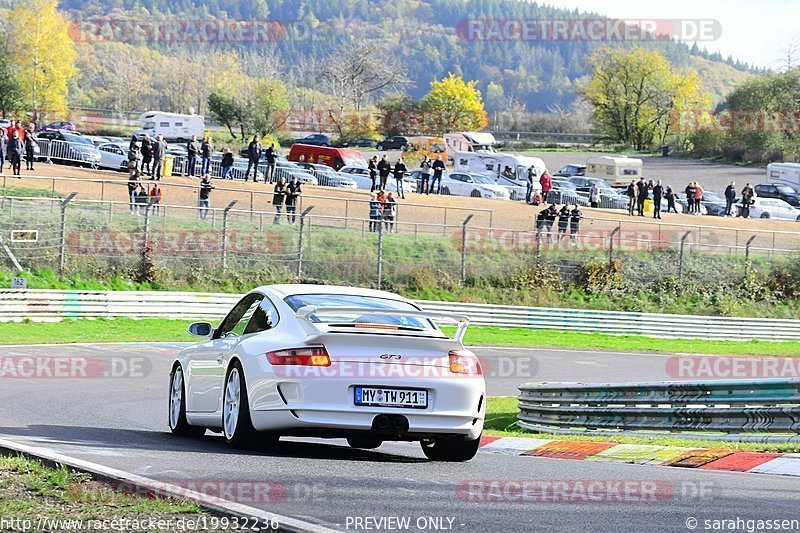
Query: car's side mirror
[{"x": 201, "y": 329}]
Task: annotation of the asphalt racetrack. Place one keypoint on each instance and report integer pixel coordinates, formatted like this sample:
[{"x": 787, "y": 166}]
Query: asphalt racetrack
[{"x": 117, "y": 417}]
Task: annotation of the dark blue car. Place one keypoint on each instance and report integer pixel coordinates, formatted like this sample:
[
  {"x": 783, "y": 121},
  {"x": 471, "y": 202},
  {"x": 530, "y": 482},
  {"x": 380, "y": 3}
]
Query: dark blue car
[{"x": 316, "y": 139}]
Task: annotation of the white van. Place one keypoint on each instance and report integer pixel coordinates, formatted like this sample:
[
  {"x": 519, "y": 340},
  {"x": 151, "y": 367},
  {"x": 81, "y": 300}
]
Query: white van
[
  {"x": 173, "y": 126},
  {"x": 468, "y": 141},
  {"x": 784, "y": 174},
  {"x": 509, "y": 170},
  {"x": 617, "y": 170}
]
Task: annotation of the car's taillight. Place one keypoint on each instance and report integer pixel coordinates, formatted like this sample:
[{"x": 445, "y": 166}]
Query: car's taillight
[
  {"x": 464, "y": 362},
  {"x": 310, "y": 356}
]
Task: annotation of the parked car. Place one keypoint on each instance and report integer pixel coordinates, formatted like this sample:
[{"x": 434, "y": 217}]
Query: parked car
[
  {"x": 516, "y": 190},
  {"x": 68, "y": 148},
  {"x": 787, "y": 193},
  {"x": 572, "y": 170},
  {"x": 682, "y": 206},
  {"x": 398, "y": 142},
  {"x": 360, "y": 175},
  {"x": 328, "y": 177},
  {"x": 473, "y": 185},
  {"x": 610, "y": 197},
  {"x": 63, "y": 125},
  {"x": 714, "y": 203},
  {"x": 316, "y": 139},
  {"x": 565, "y": 192},
  {"x": 98, "y": 140},
  {"x": 113, "y": 156},
  {"x": 238, "y": 170},
  {"x": 289, "y": 170},
  {"x": 360, "y": 143},
  {"x": 5, "y": 123},
  {"x": 771, "y": 208}
]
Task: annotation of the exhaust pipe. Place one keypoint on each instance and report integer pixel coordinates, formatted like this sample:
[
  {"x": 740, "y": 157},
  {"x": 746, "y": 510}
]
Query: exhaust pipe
[
  {"x": 400, "y": 423},
  {"x": 382, "y": 422}
]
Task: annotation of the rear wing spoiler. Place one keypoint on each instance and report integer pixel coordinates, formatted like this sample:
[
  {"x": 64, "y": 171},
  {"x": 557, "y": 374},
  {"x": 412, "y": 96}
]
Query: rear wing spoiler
[{"x": 311, "y": 328}]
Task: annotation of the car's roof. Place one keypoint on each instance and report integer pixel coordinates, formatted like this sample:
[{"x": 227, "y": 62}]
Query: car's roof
[{"x": 297, "y": 289}]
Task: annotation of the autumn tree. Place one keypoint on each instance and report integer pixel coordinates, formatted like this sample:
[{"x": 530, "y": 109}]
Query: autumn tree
[
  {"x": 636, "y": 95},
  {"x": 43, "y": 53},
  {"x": 453, "y": 104}
]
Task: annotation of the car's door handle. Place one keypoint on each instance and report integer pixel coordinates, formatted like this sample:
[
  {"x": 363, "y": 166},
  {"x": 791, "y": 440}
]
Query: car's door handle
[{"x": 221, "y": 358}]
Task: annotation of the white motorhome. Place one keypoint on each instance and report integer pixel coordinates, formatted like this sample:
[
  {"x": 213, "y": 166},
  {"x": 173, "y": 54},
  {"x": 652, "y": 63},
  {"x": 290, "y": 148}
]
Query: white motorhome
[
  {"x": 173, "y": 126},
  {"x": 784, "y": 174},
  {"x": 468, "y": 141},
  {"x": 509, "y": 170},
  {"x": 618, "y": 170}
]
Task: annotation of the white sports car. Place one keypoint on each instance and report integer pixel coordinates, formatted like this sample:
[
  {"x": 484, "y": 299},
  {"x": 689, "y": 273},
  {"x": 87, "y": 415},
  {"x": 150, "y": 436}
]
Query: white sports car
[{"x": 326, "y": 361}]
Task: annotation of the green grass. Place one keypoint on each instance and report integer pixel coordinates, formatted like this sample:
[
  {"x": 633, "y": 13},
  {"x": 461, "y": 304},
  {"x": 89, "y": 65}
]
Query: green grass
[
  {"x": 163, "y": 330},
  {"x": 29, "y": 192},
  {"x": 501, "y": 418},
  {"x": 30, "y": 489}
]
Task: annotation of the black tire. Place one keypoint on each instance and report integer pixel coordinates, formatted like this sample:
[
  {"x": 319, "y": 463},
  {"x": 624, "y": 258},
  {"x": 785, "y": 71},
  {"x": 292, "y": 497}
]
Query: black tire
[
  {"x": 324, "y": 145},
  {"x": 797, "y": 219},
  {"x": 764, "y": 215},
  {"x": 379, "y": 148},
  {"x": 364, "y": 442},
  {"x": 178, "y": 424},
  {"x": 180, "y": 140},
  {"x": 475, "y": 194},
  {"x": 450, "y": 449},
  {"x": 404, "y": 148},
  {"x": 446, "y": 191},
  {"x": 243, "y": 433}
]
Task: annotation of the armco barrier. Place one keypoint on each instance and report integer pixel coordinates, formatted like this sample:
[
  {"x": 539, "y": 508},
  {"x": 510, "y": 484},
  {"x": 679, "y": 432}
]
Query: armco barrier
[
  {"x": 53, "y": 305},
  {"x": 743, "y": 410}
]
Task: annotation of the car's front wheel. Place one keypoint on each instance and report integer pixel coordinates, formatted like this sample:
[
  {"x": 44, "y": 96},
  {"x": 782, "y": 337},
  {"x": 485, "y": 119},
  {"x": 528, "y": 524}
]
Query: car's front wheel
[
  {"x": 764, "y": 215},
  {"x": 379, "y": 148},
  {"x": 178, "y": 424},
  {"x": 236, "y": 424},
  {"x": 450, "y": 449}
]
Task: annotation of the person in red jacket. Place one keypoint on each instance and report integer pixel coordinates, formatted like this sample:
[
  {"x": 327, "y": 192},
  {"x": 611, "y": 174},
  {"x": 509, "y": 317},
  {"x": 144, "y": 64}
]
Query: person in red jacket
[{"x": 547, "y": 185}]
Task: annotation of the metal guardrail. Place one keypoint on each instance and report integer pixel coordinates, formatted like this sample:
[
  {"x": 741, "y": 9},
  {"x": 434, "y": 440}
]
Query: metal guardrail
[
  {"x": 742, "y": 410},
  {"x": 57, "y": 304}
]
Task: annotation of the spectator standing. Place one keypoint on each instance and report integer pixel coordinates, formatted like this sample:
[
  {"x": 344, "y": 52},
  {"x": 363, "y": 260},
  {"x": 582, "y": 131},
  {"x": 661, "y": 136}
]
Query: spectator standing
[
  {"x": 206, "y": 149},
  {"x": 384, "y": 168},
  {"x": 133, "y": 186},
  {"x": 689, "y": 190},
  {"x": 374, "y": 212},
  {"x": 191, "y": 156},
  {"x": 142, "y": 199},
  {"x": 372, "y": 166},
  {"x": 552, "y": 213},
  {"x": 147, "y": 155},
  {"x": 227, "y": 163},
  {"x": 30, "y": 147},
  {"x": 389, "y": 211},
  {"x": 399, "y": 173},
  {"x": 135, "y": 159},
  {"x": 159, "y": 153},
  {"x": 563, "y": 222},
  {"x": 15, "y": 149},
  {"x": 271, "y": 159},
  {"x": 698, "y": 198},
  {"x": 541, "y": 224},
  {"x": 594, "y": 195},
  {"x": 658, "y": 193},
  {"x": 133, "y": 141},
  {"x": 155, "y": 198},
  {"x": 278, "y": 197},
  {"x": 205, "y": 196},
  {"x": 547, "y": 185},
  {"x": 730, "y": 198},
  {"x": 575, "y": 217},
  {"x": 748, "y": 195},
  {"x": 253, "y": 157},
  {"x": 438, "y": 170},
  {"x": 670, "y": 197},
  {"x": 3, "y": 149},
  {"x": 642, "y": 195},
  {"x": 632, "y": 191},
  {"x": 530, "y": 182},
  {"x": 425, "y": 174},
  {"x": 293, "y": 192}
]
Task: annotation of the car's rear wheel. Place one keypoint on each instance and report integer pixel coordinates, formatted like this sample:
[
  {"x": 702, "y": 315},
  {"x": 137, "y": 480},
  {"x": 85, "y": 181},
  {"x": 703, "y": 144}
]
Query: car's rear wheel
[
  {"x": 236, "y": 424},
  {"x": 450, "y": 449},
  {"x": 364, "y": 441},
  {"x": 178, "y": 424},
  {"x": 446, "y": 191},
  {"x": 379, "y": 148},
  {"x": 764, "y": 215}
]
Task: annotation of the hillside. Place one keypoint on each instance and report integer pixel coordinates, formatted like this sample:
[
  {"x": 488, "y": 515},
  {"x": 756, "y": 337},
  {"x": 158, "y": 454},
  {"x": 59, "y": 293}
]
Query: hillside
[{"x": 428, "y": 36}]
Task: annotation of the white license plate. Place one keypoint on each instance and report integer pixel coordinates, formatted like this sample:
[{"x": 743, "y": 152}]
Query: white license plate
[{"x": 389, "y": 397}]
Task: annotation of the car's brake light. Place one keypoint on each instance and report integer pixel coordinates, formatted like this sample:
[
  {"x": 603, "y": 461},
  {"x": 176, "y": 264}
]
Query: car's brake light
[
  {"x": 464, "y": 362},
  {"x": 310, "y": 356}
]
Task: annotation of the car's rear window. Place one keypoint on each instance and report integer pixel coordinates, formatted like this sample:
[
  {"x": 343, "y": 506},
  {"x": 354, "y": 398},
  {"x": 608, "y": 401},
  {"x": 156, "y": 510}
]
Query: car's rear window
[{"x": 349, "y": 319}]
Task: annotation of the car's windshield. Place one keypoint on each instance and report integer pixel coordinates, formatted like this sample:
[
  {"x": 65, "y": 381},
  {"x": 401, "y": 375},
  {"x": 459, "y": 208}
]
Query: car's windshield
[
  {"x": 353, "y": 319},
  {"x": 713, "y": 197},
  {"x": 479, "y": 178},
  {"x": 785, "y": 189}
]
